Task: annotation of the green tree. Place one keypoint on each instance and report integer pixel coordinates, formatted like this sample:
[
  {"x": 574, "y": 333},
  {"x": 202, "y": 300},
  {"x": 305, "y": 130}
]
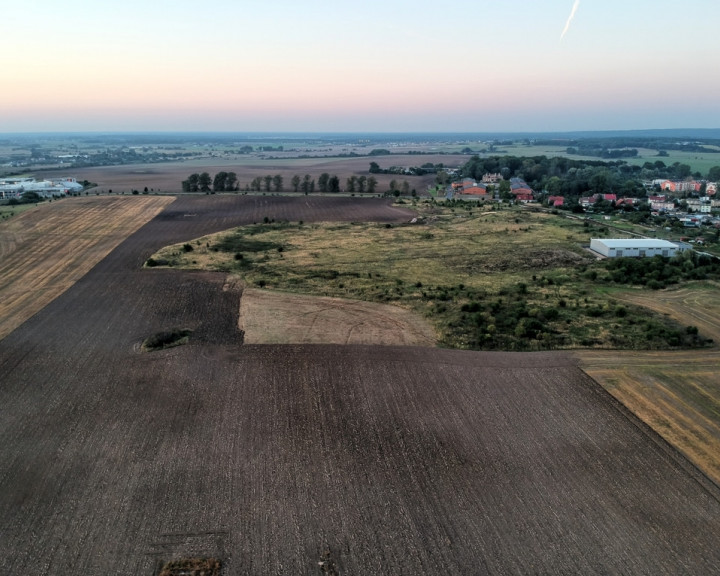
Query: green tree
[
  {"x": 192, "y": 184},
  {"x": 231, "y": 182},
  {"x": 268, "y": 182},
  {"x": 204, "y": 182},
  {"x": 504, "y": 190},
  {"x": 219, "y": 181},
  {"x": 295, "y": 182},
  {"x": 371, "y": 184},
  {"x": 714, "y": 174},
  {"x": 306, "y": 183},
  {"x": 350, "y": 186},
  {"x": 442, "y": 178},
  {"x": 361, "y": 182},
  {"x": 256, "y": 184},
  {"x": 333, "y": 184},
  {"x": 323, "y": 182},
  {"x": 278, "y": 183}
]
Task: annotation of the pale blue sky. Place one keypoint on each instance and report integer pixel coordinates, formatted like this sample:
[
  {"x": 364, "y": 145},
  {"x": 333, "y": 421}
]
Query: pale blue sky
[{"x": 343, "y": 66}]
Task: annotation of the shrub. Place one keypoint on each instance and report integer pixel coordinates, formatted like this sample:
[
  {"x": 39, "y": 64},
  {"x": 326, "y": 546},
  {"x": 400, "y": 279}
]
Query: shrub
[{"x": 166, "y": 339}]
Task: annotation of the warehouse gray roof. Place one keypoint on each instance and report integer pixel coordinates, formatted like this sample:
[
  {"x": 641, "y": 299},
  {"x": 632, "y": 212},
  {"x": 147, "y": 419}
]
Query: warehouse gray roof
[{"x": 635, "y": 243}]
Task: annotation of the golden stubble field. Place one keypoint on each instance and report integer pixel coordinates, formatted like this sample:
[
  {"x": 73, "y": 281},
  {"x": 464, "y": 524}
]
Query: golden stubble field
[
  {"x": 45, "y": 250},
  {"x": 676, "y": 392}
]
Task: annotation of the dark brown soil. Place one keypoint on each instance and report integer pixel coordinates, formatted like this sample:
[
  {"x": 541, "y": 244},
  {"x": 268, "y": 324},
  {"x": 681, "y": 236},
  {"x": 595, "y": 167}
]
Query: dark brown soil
[{"x": 301, "y": 458}]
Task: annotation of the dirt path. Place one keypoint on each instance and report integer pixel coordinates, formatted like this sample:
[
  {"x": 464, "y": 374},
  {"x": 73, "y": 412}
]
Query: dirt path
[
  {"x": 282, "y": 318},
  {"x": 45, "y": 250}
]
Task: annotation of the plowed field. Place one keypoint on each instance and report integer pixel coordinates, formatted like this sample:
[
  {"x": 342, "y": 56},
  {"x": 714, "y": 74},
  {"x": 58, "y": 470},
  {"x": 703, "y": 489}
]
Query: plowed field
[{"x": 272, "y": 458}]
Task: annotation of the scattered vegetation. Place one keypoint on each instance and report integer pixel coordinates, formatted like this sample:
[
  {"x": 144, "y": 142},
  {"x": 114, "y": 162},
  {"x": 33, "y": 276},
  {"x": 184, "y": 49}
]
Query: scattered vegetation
[{"x": 505, "y": 278}]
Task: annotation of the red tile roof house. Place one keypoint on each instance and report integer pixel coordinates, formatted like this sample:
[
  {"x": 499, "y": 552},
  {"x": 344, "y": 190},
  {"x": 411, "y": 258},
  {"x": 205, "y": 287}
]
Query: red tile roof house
[
  {"x": 523, "y": 196},
  {"x": 521, "y": 191},
  {"x": 476, "y": 190},
  {"x": 555, "y": 201},
  {"x": 626, "y": 202}
]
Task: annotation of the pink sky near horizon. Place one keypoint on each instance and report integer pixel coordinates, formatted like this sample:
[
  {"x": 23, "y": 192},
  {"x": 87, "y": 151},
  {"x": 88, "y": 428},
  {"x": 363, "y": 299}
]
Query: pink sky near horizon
[{"x": 382, "y": 67}]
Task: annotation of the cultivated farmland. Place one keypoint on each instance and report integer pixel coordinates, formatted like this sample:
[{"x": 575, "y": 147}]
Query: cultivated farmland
[{"x": 272, "y": 458}]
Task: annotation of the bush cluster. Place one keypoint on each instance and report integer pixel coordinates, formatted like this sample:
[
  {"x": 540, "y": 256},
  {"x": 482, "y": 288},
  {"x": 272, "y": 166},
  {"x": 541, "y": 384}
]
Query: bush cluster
[{"x": 659, "y": 272}]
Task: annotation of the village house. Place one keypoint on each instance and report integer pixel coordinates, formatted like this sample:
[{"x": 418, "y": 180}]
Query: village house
[
  {"x": 520, "y": 190},
  {"x": 681, "y": 186}
]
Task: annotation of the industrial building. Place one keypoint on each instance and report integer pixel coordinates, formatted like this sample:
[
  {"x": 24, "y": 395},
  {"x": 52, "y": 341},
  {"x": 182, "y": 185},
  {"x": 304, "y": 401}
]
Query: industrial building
[
  {"x": 16, "y": 187},
  {"x": 635, "y": 247}
]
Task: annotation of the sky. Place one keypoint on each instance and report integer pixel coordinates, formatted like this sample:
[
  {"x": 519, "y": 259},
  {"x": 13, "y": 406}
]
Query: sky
[{"x": 348, "y": 66}]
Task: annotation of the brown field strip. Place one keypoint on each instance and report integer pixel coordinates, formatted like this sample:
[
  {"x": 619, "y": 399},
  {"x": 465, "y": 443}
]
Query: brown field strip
[
  {"x": 46, "y": 250},
  {"x": 677, "y": 393},
  {"x": 282, "y": 318}
]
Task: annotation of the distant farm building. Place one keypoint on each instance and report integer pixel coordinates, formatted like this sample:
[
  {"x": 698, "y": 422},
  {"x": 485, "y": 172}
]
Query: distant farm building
[
  {"x": 634, "y": 247},
  {"x": 16, "y": 187}
]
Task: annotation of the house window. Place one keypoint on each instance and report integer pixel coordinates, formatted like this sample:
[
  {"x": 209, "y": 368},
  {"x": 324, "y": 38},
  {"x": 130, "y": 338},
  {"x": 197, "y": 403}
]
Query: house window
[
  {"x": 642, "y": 253},
  {"x": 665, "y": 253},
  {"x": 619, "y": 253}
]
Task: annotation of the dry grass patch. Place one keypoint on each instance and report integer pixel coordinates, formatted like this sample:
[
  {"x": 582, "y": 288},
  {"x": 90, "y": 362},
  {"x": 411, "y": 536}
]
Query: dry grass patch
[{"x": 507, "y": 278}]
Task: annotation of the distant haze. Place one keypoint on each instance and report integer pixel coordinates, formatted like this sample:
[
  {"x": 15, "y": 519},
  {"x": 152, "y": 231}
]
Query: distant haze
[{"x": 396, "y": 65}]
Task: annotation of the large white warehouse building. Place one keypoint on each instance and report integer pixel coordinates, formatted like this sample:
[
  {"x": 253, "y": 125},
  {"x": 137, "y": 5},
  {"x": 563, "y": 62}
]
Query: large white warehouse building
[{"x": 634, "y": 247}]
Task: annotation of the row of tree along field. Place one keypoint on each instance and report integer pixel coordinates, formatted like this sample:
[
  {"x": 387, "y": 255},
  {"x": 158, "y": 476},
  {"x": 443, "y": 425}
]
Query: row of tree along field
[{"x": 228, "y": 182}]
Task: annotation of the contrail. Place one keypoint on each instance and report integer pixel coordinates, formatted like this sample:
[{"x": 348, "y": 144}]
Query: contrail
[{"x": 572, "y": 15}]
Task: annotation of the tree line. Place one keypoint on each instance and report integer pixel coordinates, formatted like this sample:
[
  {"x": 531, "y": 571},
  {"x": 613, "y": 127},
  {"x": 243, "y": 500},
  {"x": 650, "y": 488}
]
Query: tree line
[
  {"x": 222, "y": 182},
  {"x": 571, "y": 177},
  {"x": 228, "y": 182}
]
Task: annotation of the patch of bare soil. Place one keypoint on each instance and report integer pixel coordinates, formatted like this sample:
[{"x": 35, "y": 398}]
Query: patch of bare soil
[{"x": 282, "y": 318}]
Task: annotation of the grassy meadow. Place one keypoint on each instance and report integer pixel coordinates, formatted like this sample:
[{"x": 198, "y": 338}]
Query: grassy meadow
[{"x": 487, "y": 277}]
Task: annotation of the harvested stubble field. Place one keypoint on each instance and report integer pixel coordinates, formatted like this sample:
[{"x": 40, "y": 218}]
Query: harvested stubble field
[
  {"x": 401, "y": 460},
  {"x": 676, "y": 392},
  {"x": 45, "y": 250}
]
